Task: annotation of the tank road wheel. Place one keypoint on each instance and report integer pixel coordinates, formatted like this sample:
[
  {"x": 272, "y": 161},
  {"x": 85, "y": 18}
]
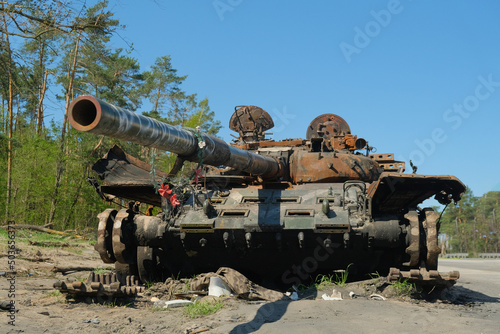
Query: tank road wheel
[
  {"x": 429, "y": 224},
  {"x": 124, "y": 251},
  {"x": 148, "y": 264},
  {"x": 423, "y": 239},
  {"x": 413, "y": 250},
  {"x": 104, "y": 244}
]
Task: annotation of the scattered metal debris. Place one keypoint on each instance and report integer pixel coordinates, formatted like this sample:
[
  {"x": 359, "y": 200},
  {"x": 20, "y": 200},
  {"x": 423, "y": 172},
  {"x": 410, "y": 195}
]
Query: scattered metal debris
[
  {"x": 377, "y": 297},
  {"x": 172, "y": 303},
  {"x": 336, "y": 295}
]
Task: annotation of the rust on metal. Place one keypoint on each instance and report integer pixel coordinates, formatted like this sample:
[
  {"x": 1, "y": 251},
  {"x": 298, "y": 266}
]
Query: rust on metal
[
  {"x": 119, "y": 247},
  {"x": 424, "y": 276},
  {"x": 264, "y": 207},
  {"x": 430, "y": 226},
  {"x": 387, "y": 162},
  {"x": 103, "y": 244},
  {"x": 413, "y": 250},
  {"x": 250, "y": 122},
  {"x": 100, "y": 286}
]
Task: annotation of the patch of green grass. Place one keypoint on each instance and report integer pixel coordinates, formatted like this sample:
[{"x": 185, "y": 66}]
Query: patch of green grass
[
  {"x": 101, "y": 271},
  {"x": 341, "y": 278},
  {"x": 75, "y": 250},
  {"x": 60, "y": 298},
  {"x": 199, "y": 309},
  {"x": 55, "y": 293},
  {"x": 149, "y": 284},
  {"x": 41, "y": 236},
  {"x": 114, "y": 303},
  {"x": 323, "y": 281},
  {"x": 160, "y": 309},
  {"x": 404, "y": 288},
  {"x": 3, "y": 233},
  {"x": 375, "y": 277}
]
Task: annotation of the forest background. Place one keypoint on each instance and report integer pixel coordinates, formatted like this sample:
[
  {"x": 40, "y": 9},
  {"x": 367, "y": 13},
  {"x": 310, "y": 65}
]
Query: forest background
[{"x": 58, "y": 50}]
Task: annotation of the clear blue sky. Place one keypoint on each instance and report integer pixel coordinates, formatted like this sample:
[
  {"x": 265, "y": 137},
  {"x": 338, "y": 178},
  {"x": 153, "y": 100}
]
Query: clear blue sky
[{"x": 420, "y": 79}]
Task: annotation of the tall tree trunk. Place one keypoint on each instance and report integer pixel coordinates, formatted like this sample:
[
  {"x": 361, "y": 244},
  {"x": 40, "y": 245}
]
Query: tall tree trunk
[
  {"x": 60, "y": 160},
  {"x": 4, "y": 116},
  {"x": 39, "y": 121},
  {"x": 17, "y": 128},
  {"x": 10, "y": 116},
  {"x": 42, "y": 89},
  {"x": 157, "y": 99}
]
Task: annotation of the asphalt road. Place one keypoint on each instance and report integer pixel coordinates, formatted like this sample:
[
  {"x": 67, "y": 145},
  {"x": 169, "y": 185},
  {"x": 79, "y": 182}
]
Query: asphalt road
[{"x": 471, "y": 306}]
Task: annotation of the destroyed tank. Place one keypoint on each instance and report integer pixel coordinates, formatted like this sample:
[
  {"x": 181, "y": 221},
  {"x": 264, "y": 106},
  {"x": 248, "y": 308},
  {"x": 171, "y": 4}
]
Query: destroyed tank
[{"x": 282, "y": 211}]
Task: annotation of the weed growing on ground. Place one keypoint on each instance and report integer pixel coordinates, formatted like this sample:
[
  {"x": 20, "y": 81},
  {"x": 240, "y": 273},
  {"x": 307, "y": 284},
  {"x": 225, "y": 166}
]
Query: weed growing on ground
[
  {"x": 341, "y": 278},
  {"x": 148, "y": 284},
  {"x": 323, "y": 281},
  {"x": 404, "y": 288},
  {"x": 55, "y": 293},
  {"x": 101, "y": 271},
  {"x": 199, "y": 309}
]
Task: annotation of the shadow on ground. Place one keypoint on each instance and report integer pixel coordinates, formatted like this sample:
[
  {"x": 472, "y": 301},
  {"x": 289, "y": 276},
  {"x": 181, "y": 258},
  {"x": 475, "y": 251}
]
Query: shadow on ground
[
  {"x": 267, "y": 313},
  {"x": 458, "y": 295}
]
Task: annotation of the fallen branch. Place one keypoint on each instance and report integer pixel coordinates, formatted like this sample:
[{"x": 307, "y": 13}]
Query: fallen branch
[
  {"x": 36, "y": 259},
  {"x": 49, "y": 243},
  {"x": 36, "y": 228},
  {"x": 65, "y": 270}
]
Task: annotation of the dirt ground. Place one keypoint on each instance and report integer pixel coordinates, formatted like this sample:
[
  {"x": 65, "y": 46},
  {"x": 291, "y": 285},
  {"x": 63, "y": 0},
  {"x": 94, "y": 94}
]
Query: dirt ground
[{"x": 471, "y": 306}]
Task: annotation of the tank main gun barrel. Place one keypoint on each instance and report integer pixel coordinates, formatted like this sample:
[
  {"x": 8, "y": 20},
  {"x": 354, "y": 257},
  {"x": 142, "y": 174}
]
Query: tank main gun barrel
[{"x": 89, "y": 114}]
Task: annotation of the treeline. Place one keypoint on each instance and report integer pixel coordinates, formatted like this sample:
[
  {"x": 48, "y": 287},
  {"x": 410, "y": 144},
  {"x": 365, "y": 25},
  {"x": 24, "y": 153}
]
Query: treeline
[
  {"x": 472, "y": 225},
  {"x": 50, "y": 53}
]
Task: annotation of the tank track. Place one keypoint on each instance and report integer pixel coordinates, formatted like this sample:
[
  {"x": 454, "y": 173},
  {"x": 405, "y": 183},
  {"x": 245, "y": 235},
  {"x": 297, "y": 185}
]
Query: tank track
[
  {"x": 108, "y": 286},
  {"x": 102, "y": 286},
  {"x": 423, "y": 276}
]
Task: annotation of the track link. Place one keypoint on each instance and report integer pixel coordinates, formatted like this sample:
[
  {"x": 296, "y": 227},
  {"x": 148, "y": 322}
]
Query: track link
[{"x": 102, "y": 285}]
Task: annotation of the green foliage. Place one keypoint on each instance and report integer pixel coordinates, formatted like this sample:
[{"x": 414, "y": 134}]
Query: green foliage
[
  {"x": 55, "y": 293},
  {"x": 404, "y": 288},
  {"x": 40, "y": 237},
  {"x": 341, "y": 278},
  {"x": 472, "y": 225},
  {"x": 101, "y": 271},
  {"x": 198, "y": 309},
  {"x": 323, "y": 281},
  {"x": 108, "y": 73}
]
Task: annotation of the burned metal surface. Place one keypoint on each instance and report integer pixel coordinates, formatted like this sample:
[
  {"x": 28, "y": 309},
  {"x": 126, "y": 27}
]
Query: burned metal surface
[
  {"x": 102, "y": 286},
  {"x": 327, "y": 126},
  {"x": 275, "y": 211},
  {"x": 88, "y": 114},
  {"x": 393, "y": 192},
  {"x": 424, "y": 276},
  {"x": 387, "y": 162},
  {"x": 127, "y": 177},
  {"x": 250, "y": 122},
  {"x": 103, "y": 244},
  {"x": 324, "y": 167}
]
